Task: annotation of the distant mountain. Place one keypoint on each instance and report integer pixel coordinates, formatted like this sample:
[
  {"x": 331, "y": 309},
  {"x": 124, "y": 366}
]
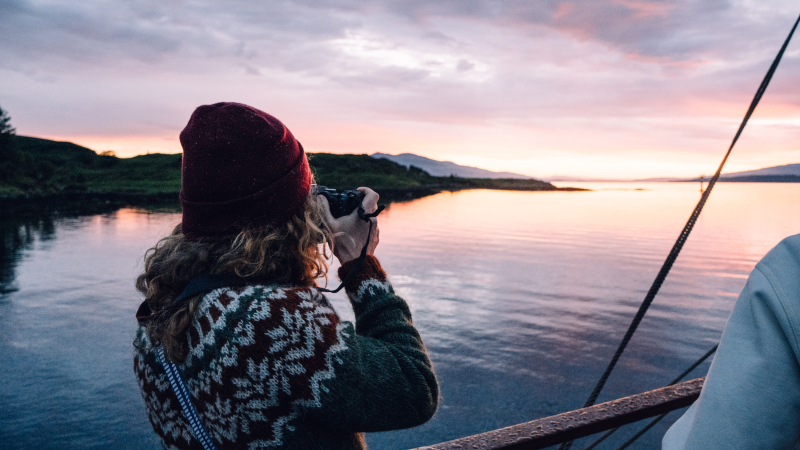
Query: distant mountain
[
  {"x": 787, "y": 169},
  {"x": 763, "y": 179},
  {"x": 787, "y": 173},
  {"x": 446, "y": 168}
]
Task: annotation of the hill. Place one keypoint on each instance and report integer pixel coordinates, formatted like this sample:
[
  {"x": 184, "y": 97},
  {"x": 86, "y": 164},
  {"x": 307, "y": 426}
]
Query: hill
[
  {"x": 784, "y": 170},
  {"x": 761, "y": 179},
  {"x": 787, "y": 173},
  {"x": 446, "y": 168},
  {"x": 49, "y": 168}
]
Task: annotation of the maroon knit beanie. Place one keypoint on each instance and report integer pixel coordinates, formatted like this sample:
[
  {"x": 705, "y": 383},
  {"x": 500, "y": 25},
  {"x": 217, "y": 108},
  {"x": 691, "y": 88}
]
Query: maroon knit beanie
[{"x": 242, "y": 168}]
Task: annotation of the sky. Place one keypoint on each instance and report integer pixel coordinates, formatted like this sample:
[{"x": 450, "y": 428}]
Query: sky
[{"x": 592, "y": 88}]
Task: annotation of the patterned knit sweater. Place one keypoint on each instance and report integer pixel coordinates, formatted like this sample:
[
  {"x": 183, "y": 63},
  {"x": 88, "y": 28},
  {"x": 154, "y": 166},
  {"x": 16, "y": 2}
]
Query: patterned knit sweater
[{"x": 273, "y": 367}]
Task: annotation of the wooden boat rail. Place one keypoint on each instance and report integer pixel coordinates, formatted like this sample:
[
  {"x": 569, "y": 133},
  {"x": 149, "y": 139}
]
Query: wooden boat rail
[{"x": 579, "y": 423}]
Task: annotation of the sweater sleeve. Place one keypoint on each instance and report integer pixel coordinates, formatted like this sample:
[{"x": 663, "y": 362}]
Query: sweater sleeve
[
  {"x": 383, "y": 379},
  {"x": 751, "y": 397}
]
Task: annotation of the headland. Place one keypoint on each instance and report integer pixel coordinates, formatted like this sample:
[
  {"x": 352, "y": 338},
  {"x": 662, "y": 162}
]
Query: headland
[{"x": 46, "y": 170}]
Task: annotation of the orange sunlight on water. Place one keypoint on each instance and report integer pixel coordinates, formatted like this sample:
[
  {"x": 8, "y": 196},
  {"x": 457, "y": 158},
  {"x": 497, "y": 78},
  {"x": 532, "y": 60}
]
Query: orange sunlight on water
[
  {"x": 599, "y": 241},
  {"x": 568, "y": 264},
  {"x": 520, "y": 297}
]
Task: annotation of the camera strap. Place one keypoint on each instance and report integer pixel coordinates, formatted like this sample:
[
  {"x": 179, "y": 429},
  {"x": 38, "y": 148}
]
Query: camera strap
[
  {"x": 185, "y": 400},
  {"x": 360, "y": 260}
]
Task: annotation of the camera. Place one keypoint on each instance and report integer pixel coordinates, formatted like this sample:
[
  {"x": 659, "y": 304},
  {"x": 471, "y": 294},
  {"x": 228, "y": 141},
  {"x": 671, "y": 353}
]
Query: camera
[{"x": 342, "y": 203}]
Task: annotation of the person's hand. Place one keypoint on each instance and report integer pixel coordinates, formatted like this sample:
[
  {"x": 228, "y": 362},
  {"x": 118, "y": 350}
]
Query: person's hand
[{"x": 350, "y": 232}]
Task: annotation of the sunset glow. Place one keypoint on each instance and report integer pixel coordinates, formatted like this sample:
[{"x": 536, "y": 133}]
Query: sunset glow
[{"x": 614, "y": 89}]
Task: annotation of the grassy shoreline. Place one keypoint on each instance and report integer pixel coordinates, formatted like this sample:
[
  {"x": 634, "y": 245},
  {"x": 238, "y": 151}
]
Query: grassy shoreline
[{"x": 57, "y": 171}]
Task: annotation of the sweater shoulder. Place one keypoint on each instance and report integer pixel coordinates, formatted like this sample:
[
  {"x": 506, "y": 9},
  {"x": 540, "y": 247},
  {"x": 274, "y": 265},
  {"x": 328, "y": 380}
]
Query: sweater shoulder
[
  {"x": 258, "y": 302},
  {"x": 263, "y": 293},
  {"x": 252, "y": 315}
]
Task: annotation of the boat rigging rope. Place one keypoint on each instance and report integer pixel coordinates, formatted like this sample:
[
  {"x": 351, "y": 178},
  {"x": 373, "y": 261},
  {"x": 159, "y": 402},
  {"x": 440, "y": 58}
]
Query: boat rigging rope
[
  {"x": 657, "y": 419},
  {"x": 676, "y": 248}
]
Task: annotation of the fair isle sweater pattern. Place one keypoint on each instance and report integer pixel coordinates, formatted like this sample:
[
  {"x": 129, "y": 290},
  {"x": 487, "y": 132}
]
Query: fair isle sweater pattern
[{"x": 274, "y": 367}]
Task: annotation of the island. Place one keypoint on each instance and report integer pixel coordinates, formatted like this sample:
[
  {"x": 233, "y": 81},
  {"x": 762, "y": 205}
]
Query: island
[{"x": 51, "y": 169}]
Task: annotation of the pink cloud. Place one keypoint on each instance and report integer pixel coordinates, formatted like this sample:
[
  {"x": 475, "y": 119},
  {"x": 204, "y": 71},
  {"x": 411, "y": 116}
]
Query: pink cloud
[{"x": 632, "y": 85}]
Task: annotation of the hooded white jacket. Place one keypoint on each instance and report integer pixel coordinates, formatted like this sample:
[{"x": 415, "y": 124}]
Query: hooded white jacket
[{"x": 751, "y": 397}]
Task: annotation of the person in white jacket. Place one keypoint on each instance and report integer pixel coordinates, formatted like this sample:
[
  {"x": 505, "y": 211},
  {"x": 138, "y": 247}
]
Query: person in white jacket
[{"x": 751, "y": 397}]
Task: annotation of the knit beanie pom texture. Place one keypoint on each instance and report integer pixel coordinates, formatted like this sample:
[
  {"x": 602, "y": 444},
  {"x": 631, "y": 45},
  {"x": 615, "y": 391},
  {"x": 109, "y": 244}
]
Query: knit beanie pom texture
[{"x": 241, "y": 168}]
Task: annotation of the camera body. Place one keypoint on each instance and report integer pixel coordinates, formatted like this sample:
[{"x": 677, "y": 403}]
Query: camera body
[{"x": 342, "y": 203}]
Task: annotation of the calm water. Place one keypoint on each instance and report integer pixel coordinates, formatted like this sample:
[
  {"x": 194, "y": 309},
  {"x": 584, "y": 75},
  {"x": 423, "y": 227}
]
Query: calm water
[{"x": 521, "y": 299}]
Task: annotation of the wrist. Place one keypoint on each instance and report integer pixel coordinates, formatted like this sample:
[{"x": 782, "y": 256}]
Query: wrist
[{"x": 370, "y": 269}]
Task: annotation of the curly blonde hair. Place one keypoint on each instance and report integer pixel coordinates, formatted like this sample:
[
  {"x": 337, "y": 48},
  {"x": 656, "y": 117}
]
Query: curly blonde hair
[{"x": 293, "y": 253}]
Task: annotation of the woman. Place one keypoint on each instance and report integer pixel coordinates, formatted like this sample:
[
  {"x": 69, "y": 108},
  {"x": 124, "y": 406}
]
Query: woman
[{"x": 266, "y": 361}]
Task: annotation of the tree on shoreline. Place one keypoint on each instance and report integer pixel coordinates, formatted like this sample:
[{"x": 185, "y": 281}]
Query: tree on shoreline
[
  {"x": 16, "y": 167},
  {"x": 7, "y": 150},
  {"x": 7, "y": 132}
]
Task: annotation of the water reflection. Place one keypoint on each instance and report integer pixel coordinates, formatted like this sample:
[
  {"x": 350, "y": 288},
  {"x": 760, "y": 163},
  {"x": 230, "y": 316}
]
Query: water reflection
[
  {"x": 23, "y": 223},
  {"x": 521, "y": 298},
  {"x": 16, "y": 234},
  {"x": 531, "y": 292},
  {"x": 20, "y": 226}
]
